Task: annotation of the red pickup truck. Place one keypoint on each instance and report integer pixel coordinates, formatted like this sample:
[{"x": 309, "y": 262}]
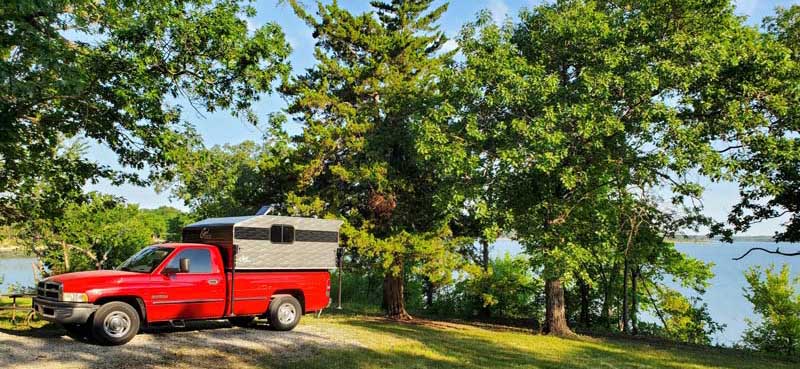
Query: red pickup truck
[{"x": 235, "y": 268}]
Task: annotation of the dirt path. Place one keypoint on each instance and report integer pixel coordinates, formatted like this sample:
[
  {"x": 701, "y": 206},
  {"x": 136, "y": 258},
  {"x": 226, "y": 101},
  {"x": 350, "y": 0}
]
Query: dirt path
[{"x": 213, "y": 345}]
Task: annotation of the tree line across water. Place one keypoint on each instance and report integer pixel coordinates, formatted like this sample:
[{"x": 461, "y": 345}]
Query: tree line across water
[{"x": 583, "y": 128}]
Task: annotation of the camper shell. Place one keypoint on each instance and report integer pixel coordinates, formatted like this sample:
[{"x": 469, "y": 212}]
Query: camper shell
[{"x": 270, "y": 242}]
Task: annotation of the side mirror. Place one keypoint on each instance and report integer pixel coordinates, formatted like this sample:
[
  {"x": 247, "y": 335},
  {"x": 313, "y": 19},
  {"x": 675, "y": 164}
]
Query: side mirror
[
  {"x": 184, "y": 265},
  {"x": 170, "y": 271}
]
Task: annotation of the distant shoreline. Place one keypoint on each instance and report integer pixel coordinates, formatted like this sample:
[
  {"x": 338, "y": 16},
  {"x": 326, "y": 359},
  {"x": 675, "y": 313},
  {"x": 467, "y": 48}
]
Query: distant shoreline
[
  {"x": 705, "y": 239},
  {"x": 699, "y": 239}
]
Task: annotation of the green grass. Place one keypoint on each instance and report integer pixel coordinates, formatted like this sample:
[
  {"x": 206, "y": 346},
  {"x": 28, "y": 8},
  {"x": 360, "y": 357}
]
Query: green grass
[
  {"x": 6, "y": 324},
  {"x": 369, "y": 342},
  {"x": 431, "y": 344}
]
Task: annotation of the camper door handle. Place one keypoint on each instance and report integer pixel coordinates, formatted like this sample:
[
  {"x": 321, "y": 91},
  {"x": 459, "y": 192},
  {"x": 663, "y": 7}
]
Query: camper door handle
[{"x": 213, "y": 282}]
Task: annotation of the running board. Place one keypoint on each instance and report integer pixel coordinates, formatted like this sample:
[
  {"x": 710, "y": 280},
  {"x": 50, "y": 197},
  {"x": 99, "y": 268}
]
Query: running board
[{"x": 177, "y": 323}]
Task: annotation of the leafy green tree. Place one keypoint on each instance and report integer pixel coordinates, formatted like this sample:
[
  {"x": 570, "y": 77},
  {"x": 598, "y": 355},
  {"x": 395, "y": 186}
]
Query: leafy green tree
[
  {"x": 763, "y": 146},
  {"x": 370, "y": 109},
  {"x": 776, "y": 298},
  {"x": 165, "y": 223},
  {"x": 119, "y": 73},
  {"x": 582, "y": 99},
  {"x": 685, "y": 319},
  {"x": 98, "y": 233},
  {"x": 508, "y": 289},
  {"x": 233, "y": 180}
]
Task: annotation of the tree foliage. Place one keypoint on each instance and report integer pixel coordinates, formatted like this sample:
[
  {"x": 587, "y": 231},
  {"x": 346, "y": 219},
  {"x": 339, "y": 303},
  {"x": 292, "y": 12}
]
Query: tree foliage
[
  {"x": 99, "y": 233},
  {"x": 365, "y": 107},
  {"x": 233, "y": 180},
  {"x": 763, "y": 147},
  {"x": 776, "y": 298},
  {"x": 582, "y": 100},
  {"x": 119, "y": 73}
]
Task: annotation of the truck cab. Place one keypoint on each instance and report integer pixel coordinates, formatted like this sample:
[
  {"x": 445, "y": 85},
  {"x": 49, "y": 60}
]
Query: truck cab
[{"x": 175, "y": 282}]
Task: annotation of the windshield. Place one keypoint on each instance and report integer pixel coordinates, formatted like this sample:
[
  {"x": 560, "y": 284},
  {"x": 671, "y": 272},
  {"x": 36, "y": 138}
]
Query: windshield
[{"x": 145, "y": 260}]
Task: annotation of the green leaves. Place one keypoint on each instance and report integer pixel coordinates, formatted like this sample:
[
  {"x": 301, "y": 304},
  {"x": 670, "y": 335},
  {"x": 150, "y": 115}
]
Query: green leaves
[
  {"x": 98, "y": 233},
  {"x": 373, "y": 150},
  {"x": 121, "y": 73},
  {"x": 776, "y": 298}
]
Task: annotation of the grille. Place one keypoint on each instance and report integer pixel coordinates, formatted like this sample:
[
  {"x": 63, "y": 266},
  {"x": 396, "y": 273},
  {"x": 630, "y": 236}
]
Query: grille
[{"x": 49, "y": 290}]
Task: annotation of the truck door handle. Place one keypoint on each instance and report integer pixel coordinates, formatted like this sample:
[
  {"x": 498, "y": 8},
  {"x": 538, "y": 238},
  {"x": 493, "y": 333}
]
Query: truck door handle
[{"x": 213, "y": 282}]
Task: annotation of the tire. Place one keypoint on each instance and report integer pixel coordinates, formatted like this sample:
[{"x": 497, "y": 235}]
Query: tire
[
  {"x": 284, "y": 313},
  {"x": 115, "y": 323},
  {"x": 242, "y": 321}
]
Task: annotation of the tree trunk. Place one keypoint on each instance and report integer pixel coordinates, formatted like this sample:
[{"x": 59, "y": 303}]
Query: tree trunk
[
  {"x": 634, "y": 300},
  {"x": 624, "y": 319},
  {"x": 607, "y": 312},
  {"x": 429, "y": 289},
  {"x": 66, "y": 256},
  {"x": 485, "y": 311},
  {"x": 485, "y": 255},
  {"x": 584, "y": 292},
  {"x": 393, "y": 297},
  {"x": 555, "y": 322}
]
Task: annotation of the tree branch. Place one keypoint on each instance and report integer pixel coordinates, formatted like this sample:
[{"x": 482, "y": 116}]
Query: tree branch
[{"x": 777, "y": 251}]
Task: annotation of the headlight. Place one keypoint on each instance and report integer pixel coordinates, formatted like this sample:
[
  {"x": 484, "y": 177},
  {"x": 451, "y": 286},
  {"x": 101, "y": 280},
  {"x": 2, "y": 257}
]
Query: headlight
[{"x": 74, "y": 297}]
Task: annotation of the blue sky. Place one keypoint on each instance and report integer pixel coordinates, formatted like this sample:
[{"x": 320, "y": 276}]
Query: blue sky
[{"x": 220, "y": 128}]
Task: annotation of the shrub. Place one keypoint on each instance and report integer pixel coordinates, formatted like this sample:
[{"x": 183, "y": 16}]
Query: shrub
[
  {"x": 776, "y": 298},
  {"x": 509, "y": 289}
]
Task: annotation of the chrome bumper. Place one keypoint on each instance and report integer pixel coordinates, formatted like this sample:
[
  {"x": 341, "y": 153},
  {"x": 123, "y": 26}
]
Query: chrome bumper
[{"x": 63, "y": 312}]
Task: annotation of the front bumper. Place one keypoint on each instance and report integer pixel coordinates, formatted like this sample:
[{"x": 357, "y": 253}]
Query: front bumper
[{"x": 63, "y": 312}]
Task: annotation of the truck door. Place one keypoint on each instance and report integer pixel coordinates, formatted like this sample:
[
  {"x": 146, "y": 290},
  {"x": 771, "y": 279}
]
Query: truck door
[{"x": 196, "y": 294}]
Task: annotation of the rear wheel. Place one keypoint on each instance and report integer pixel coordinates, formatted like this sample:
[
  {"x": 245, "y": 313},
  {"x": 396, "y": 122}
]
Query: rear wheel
[
  {"x": 115, "y": 323},
  {"x": 241, "y": 321},
  {"x": 284, "y": 313}
]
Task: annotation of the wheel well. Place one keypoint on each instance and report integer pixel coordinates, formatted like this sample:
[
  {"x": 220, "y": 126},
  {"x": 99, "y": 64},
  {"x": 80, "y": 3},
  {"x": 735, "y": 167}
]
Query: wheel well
[
  {"x": 136, "y": 302},
  {"x": 298, "y": 294}
]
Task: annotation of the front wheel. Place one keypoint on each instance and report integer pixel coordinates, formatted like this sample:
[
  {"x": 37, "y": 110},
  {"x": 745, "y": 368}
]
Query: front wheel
[
  {"x": 284, "y": 313},
  {"x": 115, "y": 323}
]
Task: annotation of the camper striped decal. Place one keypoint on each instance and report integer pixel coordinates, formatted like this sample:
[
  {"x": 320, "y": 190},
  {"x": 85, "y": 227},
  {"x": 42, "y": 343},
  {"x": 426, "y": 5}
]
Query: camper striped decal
[{"x": 301, "y": 235}]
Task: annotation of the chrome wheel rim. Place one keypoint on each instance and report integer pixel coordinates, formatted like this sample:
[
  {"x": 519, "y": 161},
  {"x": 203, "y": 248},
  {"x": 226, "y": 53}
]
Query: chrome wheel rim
[
  {"x": 117, "y": 324},
  {"x": 286, "y": 313}
]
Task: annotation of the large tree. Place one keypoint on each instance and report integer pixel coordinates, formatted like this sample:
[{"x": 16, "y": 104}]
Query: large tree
[
  {"x": 368, "y": 109},
  {"x": 119, "y": 73},
  {"x": 581, "y": 100}
]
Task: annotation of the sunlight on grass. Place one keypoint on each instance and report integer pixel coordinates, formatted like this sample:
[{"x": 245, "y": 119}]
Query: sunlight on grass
[
  {"x": 5, "y": 316},
  {"x": 386, "y": 345}
]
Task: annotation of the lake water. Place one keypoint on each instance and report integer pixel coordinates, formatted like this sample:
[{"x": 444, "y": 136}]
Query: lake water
[
  {"x": 15, "y": 270},
  {"x": 725, "y": 296}
]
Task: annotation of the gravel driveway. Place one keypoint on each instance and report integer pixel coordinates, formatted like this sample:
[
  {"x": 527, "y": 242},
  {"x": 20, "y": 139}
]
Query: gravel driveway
[{"x": 213, "y": 345}]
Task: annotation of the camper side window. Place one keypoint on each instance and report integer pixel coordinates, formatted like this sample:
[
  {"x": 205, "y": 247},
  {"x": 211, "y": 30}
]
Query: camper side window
[{"x": 281, "y": 233}]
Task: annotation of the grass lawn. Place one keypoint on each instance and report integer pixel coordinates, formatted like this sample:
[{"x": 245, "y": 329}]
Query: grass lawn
[
  {"x": 5, "y": 316},
  {"x": 431, "y": 344},
  {"x": 375, "y": 343}
]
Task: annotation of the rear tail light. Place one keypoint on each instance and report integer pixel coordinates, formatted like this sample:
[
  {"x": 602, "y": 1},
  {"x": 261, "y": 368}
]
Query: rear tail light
[{"x": 328, "y": 290}]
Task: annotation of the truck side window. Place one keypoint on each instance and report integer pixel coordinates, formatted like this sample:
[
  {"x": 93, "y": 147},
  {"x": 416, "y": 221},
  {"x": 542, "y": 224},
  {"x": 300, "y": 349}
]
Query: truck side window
[
  {"x": 281, "y": 233},
  {"x": 199, "y": 260}
]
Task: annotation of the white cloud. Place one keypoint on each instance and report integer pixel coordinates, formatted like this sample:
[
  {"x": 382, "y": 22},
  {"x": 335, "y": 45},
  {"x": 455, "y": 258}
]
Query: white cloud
[
  {"x": 251, "y": 25},
  {"x": 499, "y": 10},
  {"x": 449, "y": 46}
]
